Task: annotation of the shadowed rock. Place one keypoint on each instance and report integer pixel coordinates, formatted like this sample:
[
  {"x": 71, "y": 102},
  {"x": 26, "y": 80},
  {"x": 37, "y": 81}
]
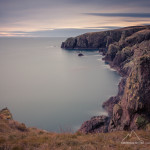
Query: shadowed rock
[
  {"x": 80, "y": 54},
  {"x": 95, "y": 125}
]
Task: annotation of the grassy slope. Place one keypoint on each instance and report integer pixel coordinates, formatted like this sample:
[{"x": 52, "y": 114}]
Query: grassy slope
[{"x": 15, "y": 136}]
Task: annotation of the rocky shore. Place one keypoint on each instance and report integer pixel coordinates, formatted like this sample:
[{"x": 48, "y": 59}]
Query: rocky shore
[{"x": 128, "y": 51}]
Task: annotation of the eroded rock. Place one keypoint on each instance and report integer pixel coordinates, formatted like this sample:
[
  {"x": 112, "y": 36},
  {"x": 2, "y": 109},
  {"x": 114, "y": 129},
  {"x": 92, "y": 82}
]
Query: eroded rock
[
  {"x": 5, "y": 114},
  {"x": 95, "y": 125}
]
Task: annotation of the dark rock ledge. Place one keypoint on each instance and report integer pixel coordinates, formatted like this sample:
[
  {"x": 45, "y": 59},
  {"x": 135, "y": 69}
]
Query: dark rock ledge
[{"x": 128, "y": 51}]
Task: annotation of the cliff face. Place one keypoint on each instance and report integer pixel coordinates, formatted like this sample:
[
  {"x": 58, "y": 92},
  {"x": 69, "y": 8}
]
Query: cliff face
[
  {"x": 98, "y": 40},
  {"x": 132, "y": 110},
  {"x": 128, "y": 51}
]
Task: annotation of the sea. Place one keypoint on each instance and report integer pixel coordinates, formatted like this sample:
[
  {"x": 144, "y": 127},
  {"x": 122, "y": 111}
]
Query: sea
[{"x": 51, "y": 88}]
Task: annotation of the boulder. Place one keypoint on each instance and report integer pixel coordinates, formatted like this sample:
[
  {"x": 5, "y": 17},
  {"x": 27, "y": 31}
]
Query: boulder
[
  {"x": 95, "y": 125},
  {"x": 5, "y": 114}
]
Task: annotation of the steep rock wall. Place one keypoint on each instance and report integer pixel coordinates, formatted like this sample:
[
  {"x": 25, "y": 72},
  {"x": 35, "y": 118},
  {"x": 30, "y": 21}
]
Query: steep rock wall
[{"x": 128, "y": 51}]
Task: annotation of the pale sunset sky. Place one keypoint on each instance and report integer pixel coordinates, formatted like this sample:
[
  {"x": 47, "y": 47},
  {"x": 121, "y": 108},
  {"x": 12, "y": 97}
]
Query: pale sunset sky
[{"x": 63, "y": 18}]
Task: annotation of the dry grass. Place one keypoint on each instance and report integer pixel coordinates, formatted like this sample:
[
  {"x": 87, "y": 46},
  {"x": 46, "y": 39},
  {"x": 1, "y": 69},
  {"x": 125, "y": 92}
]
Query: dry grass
[{"x": 34, "y": 139}]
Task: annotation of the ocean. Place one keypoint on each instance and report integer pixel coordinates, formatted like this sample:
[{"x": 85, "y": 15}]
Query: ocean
[{"x": 50, "y": 88}]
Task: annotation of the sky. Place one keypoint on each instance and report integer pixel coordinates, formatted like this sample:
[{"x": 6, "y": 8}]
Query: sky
[{"x": 65, "y": 18}]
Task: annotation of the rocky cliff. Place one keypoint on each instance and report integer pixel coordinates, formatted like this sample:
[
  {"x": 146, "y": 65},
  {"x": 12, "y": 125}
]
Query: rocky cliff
[
  {"x": 128, "y": 51},
  {"x": 98, "y": 40}
]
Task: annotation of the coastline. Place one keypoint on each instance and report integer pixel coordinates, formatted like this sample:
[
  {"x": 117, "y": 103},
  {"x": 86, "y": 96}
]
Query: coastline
[
  {"x": 129, "y": 108},
  {"x": 128, "y": 111},
  {"x": 127, "y": 50},
  {"x": 103, "y": 120}
]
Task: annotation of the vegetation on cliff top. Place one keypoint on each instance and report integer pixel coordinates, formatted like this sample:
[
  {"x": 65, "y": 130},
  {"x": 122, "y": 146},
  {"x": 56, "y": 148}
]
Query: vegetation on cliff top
[{"x": 14, "y": 138}]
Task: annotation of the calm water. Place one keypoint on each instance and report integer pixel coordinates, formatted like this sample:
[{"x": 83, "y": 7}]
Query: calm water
[{"x": 50, "y": 88}]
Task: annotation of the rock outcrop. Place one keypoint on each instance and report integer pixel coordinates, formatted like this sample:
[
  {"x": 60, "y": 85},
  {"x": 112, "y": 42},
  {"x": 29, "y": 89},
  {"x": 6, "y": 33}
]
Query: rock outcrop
[
  {"x": 128, "y": 51},
  {"x": 95, "y": 125},
  {"x": 6, "y": 116}
]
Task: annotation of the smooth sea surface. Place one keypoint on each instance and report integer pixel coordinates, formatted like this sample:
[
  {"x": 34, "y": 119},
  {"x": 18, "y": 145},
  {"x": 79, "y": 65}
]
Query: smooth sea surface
[{"x": 51, "y": 88}]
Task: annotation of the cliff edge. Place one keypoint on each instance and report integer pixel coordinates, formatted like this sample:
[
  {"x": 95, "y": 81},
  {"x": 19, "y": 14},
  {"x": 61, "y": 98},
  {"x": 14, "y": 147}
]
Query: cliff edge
[
  {"x": 128, "y": 51},
  {"x": 16, "y": 136}
]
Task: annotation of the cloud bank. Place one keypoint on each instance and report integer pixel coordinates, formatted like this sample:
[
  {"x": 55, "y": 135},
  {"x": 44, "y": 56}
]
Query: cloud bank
[
  {"x": 68, "y": 17},
  {"x": 135, "y": 15}
]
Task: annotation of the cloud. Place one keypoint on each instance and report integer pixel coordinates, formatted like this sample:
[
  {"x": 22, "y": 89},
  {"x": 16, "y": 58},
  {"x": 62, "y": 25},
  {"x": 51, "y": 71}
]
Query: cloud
[
  {"x": 145, "y": 3},
  {"x": 135, "y": 15},
  {"x": 68, "y": 32},
  {"x": 37, "y": 15},
  {"x": 104, "y": 27}
]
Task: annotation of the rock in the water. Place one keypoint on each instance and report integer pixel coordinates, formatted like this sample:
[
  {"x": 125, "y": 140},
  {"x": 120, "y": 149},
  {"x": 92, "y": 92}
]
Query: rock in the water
[{"x": 80, "y": 54}]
